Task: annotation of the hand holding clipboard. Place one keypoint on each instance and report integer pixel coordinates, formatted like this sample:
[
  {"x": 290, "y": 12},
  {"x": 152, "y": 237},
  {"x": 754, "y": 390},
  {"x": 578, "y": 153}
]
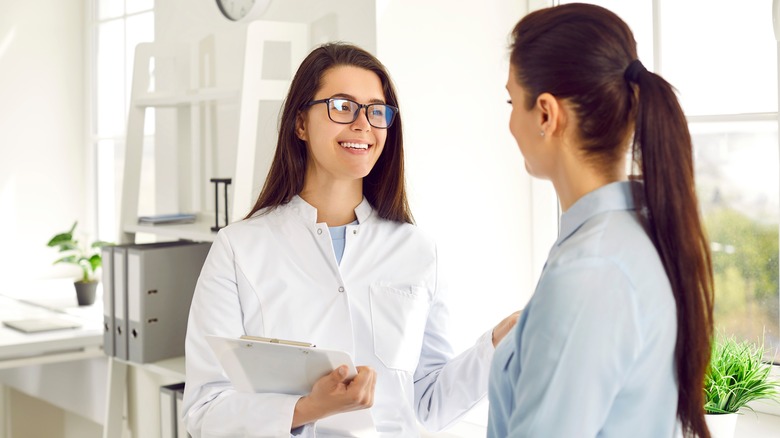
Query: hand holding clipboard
[{"x": 291, "y": 367}]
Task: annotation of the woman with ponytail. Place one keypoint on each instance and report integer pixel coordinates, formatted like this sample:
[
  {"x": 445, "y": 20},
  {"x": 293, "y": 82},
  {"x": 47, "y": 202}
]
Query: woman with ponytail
[{"x": 615, "y": 341}]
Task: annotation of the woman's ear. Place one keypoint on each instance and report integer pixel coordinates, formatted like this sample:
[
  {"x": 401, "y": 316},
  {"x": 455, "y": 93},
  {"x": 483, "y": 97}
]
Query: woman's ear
[
  {"x": 300, "y": 127},
  {"x": 550, "y": 114}
]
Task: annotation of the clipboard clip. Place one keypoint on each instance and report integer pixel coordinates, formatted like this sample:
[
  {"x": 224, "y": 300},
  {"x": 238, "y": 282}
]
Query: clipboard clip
[{"x": 277, "y": 341}]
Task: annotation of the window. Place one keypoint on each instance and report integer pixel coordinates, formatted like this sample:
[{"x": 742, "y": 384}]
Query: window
[
  {"x": 727, "y": 83},
  {"x": 117, "y": 26}
]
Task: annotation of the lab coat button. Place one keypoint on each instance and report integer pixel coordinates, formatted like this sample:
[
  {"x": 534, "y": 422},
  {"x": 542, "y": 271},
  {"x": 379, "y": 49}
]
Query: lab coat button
[
  {"x": 319, "y": 230},
  {"x": 341, "y": 289},
  {"x": 354, "y": 231}
]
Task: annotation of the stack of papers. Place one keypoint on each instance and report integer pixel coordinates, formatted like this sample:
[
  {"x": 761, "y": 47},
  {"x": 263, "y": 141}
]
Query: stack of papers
[{"x": 177, "y": 218}]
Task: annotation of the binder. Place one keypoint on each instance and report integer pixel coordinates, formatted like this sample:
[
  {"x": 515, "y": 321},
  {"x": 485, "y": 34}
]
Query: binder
[
  {"x": 109, "y": 324},
  {"x": 168, "y": 410},
  {"x": 160, "y": 284},
  {"x": 120, "y": 298},
  {"x": 120, "y": 302}
]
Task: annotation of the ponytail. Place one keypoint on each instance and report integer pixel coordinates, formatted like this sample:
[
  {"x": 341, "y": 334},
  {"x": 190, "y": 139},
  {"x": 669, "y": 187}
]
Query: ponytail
[{"x": 663, "y": 150}]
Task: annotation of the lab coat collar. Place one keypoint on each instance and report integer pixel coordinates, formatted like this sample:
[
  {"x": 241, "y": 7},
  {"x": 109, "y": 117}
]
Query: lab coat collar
[
  {"x": 611, "y": 197},
  {"x": 309, "y": 213}
]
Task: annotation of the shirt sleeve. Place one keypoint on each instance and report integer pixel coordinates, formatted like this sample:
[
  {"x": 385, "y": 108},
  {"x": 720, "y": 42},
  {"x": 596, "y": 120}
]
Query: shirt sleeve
[
  {"x": 446, "y": 387},
  {"x": 212, "y": 406},
  {"x": 578, "y": 344}
]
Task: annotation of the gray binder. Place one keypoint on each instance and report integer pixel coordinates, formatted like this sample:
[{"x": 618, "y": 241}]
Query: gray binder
[
  {"x": 160, "y": 284},
  {"x": 120, "y": 298},
  {"x": 120, "y": 302},
  {"x": 109, "y": 324}
]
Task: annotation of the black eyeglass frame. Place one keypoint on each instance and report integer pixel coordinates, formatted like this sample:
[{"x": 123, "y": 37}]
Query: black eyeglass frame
[{"x": 360, "y": 106}]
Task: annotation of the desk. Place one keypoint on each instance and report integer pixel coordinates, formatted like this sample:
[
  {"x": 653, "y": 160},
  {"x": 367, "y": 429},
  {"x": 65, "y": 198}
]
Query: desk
[
  {"x": 19, "y": 349},
  {"x": 36, "y": 363}
]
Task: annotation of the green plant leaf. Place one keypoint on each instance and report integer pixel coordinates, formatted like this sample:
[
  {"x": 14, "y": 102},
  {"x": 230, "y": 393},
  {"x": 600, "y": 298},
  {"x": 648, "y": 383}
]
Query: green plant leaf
[
  {"x": 61, "y": 238},
  {"x": 100, "y": 244},
  {"x": 737, "y": 376},
  {"x": 94, "y": 261}
]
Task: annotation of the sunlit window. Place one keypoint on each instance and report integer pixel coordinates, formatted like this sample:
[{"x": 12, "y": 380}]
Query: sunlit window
[{"x": 118, "y": 26}]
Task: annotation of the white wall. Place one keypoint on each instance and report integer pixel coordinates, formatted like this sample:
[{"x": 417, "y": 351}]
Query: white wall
[
  {"x": 42, "y": 141},
  {"x": 467, "y": 183}
]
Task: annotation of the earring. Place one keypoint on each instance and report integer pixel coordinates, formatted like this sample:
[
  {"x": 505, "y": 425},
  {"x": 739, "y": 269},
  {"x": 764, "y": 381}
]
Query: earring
[{"x": 541, "y": 133}]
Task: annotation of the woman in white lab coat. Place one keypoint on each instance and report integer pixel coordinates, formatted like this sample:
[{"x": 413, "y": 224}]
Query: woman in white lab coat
[{"x": 329, "y": 255}]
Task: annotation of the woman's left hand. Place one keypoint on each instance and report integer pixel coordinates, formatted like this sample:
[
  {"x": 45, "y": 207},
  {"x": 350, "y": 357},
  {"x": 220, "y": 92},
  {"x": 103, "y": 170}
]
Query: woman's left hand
[{"x": 504, "y": 327}]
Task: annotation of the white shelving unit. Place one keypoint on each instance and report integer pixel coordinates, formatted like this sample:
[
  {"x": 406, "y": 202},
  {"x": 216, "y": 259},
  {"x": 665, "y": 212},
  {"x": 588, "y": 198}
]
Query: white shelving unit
[
  {"x": 191, "y": 93},
  {"x": 261, "y": 97}
]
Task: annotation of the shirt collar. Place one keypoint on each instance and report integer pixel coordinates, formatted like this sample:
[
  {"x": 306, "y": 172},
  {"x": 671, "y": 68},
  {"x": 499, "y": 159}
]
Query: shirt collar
[
  {"x": 309, "y": 213},
  {"x": 611, "y": 197}
]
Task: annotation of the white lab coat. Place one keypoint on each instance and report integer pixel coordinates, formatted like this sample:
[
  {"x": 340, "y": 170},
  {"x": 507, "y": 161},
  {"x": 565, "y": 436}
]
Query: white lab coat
[{"x": 276, "y": 275}]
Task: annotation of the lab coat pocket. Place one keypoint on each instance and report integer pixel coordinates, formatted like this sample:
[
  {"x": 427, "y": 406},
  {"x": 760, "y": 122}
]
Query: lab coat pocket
[{"x": 398, "y": 317}]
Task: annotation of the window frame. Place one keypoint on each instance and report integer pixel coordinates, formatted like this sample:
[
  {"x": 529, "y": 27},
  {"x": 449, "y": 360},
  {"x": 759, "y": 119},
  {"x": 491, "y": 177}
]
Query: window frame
[{"x": 94, "y": 138}]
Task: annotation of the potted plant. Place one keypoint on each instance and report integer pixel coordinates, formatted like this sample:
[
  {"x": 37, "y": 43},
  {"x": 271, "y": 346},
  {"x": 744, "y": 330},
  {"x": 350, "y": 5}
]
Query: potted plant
[
  {"x": 736, "y": 376},
  {"x": 86, "y": 257}
]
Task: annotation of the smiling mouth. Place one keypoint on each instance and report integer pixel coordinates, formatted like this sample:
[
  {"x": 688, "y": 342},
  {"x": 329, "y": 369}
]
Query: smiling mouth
[{"x": 349, "y": 145}]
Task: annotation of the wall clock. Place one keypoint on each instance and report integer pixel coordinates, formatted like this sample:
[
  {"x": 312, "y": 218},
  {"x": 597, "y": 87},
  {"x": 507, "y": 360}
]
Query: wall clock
[{"x": 242, "y": 10}]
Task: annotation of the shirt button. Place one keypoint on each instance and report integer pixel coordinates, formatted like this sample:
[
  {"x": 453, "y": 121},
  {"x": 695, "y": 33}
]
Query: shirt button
[
  {"x": 319, "y": 230},
  {"x": 341, "y": 289},
  {"x": 354, "y": 231}
]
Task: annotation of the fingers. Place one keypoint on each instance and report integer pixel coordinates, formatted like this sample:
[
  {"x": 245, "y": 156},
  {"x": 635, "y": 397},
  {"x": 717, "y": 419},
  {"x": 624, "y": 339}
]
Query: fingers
[
  {"x": 504, "y": 327},
  {"x": 361, "y": 390},
  {"x": 338, "y": 375}
]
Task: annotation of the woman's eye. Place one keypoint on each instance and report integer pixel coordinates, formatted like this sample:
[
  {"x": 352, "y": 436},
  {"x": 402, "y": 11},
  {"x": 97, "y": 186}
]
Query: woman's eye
[
  {"x": 509, "y": 101},
  {"x": 341, "y": 105}
]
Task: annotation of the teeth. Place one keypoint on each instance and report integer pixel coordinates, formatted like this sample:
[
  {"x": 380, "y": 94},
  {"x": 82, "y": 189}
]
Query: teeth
[{"x": 354, "y": 145}]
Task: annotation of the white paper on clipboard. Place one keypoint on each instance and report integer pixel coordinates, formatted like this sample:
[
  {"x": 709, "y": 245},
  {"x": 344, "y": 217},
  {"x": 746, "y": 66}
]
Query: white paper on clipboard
[{"x": 259, "y": 366}]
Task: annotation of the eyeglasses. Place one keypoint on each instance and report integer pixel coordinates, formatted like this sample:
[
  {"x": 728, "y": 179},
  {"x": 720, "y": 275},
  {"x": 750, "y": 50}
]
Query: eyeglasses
[{"x": 345, "y": 111}]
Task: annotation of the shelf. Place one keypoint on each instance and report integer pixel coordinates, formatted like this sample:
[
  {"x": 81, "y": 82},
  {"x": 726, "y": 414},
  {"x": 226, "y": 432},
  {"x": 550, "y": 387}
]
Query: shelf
[
  {"x": 173, "y": 367},
  {"x": 199, "y": 231},
  {"x": 197, "y": 96}
]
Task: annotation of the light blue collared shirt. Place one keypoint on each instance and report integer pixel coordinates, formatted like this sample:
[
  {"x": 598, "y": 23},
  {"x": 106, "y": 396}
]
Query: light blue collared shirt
[{"x": 592, "y": 354}]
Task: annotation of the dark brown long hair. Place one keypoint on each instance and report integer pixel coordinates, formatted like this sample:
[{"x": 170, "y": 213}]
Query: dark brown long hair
[
  {"x": 581, "y": 53},
  {"x": 384, "y": 186}
]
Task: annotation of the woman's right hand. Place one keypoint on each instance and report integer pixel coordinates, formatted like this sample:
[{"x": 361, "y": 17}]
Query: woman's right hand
[{"x": 335, "y": 393}]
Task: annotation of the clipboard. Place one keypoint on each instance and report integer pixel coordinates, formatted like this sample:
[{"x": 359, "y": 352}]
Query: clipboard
[
  {"x": 284, "y": 367},
  {"x": 289, "y": 367}
]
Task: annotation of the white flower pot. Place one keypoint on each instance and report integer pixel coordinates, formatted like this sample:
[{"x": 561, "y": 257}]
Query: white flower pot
[{"x": 721, "y": 425}]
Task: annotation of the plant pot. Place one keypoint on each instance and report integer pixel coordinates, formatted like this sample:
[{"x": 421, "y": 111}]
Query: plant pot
[
  {"x": 721, "y": 425},
  {"x": 85, "y": 292}
]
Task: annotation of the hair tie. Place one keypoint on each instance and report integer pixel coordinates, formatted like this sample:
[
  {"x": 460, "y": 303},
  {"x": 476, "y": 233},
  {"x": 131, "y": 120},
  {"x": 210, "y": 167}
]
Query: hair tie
[{"x": 633, "y": 70}]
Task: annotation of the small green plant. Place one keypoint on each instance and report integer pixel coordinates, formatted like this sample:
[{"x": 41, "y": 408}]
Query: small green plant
[
  {"x": 87, "y": 257},
  {"x": 737, "y": 376}
]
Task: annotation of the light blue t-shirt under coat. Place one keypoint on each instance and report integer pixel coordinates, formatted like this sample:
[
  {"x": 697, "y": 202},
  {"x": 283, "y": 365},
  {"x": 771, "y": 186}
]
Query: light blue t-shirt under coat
[
  {"x": 338, "y": 236},
  {"x": 592, "y": 354}
]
